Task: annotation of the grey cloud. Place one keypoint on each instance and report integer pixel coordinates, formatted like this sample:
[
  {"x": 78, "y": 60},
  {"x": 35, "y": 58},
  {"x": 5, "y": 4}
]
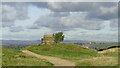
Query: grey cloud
[
  {"x": 16, "y": 29},
  {"x": 59, "y": 14},
  {"x": 67, "y": 23},
  {"x": 107, "y": 4},
  {"x": 119, "y": 10},
  {"x": 39, "y": 4},
  {"x": 7, "y": 13},
  {"x": 47, "y": 6},
  {"x": 6, "y": 8},
  {"x": 104, "y": 13},
  {"x": 8, "y": 17},
  {"x": 7, "y": 24},
  {"x": 12, "y": 12},
  {"x": 95, "y": 10},
  {"x": 49, "y": 22},
  {"x": 76, "y": 22},
  {"x": 71, "y": 6},
  {"x": 18, "y": 10},
  {"x": 33, "y": 26},
  {"x": 114, "y": 24},
  {"x": 60, "y": 18},
  {"x": 21, "y": 11}
]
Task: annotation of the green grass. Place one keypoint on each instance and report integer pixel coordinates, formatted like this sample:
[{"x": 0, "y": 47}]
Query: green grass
[
  {"x": 0, "y": 55},
  {"x": 63, "y": 50},
  {"x": 108, "y": 58},
  {"x": 98, "y": 61},
  {"x": 80, "y": 55},
  {"x": 11, "y": 57}
]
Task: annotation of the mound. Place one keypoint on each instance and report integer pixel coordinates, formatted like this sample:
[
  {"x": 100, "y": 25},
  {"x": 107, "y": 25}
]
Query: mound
[{"x": 63, "y": 50}]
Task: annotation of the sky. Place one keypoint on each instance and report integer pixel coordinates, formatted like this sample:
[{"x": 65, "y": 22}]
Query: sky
[{"x": 94, "y": 21}]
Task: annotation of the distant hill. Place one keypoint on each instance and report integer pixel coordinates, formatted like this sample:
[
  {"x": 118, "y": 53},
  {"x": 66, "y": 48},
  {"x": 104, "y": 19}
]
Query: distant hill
[
  {"x": 20, "y": 42},
  {"x": 17, "y": 44},
  {"x": 32, "y": 42},
  {"x": 35, "y": 42}
]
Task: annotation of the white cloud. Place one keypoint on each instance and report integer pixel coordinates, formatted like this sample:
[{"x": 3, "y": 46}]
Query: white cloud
[
  {"x": 78, "y": 21},
  {"x": 12, "y": 12},
  {"x": 67, "y": 22}
]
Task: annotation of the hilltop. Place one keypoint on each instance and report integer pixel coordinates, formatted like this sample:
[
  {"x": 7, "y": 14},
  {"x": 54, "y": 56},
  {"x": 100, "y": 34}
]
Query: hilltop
[{"x": 67, "y": 51}]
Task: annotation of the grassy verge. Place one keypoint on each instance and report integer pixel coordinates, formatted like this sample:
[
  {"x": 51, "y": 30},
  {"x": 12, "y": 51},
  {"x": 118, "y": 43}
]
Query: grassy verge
[{"x": 12, "y": 57}]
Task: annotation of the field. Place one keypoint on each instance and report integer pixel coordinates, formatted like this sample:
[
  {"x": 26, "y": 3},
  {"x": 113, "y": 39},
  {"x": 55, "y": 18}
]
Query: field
[
  {"x": 11, "y": 57},
  {"x": 81, "y": 56}
]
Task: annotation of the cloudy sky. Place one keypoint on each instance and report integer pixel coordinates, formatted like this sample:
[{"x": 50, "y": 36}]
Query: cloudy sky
[{"x": 95, "y": 21}]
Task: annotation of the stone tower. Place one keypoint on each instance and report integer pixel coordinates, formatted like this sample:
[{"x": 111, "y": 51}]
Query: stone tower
[{"x": 47, "y": 39}]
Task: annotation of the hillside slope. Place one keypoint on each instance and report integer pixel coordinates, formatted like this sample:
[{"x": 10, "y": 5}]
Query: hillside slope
[
  {"x": 80, "y": 55},
  {"x": 67, "y": 51},
  {"x": 109, "y": 58},
  {"x": 12, "y": 57},
  {"x": 53, "y": 60}
]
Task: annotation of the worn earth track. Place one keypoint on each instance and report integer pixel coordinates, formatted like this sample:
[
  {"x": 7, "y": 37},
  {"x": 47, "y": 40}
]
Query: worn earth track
[{"x": 54, "y": 60}]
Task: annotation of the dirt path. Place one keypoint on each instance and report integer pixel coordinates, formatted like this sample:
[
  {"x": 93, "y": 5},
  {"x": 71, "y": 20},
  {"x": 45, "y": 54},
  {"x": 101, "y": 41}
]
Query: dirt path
[{"x": 54, "y": 60}]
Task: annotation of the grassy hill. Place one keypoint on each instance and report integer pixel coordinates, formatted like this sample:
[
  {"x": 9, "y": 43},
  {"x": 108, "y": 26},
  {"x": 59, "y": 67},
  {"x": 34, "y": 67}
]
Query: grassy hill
[
  {"x": 82, "y": 56},
  {"x": 11, "y": 57},
  {"x": 67, "y": 51}
]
